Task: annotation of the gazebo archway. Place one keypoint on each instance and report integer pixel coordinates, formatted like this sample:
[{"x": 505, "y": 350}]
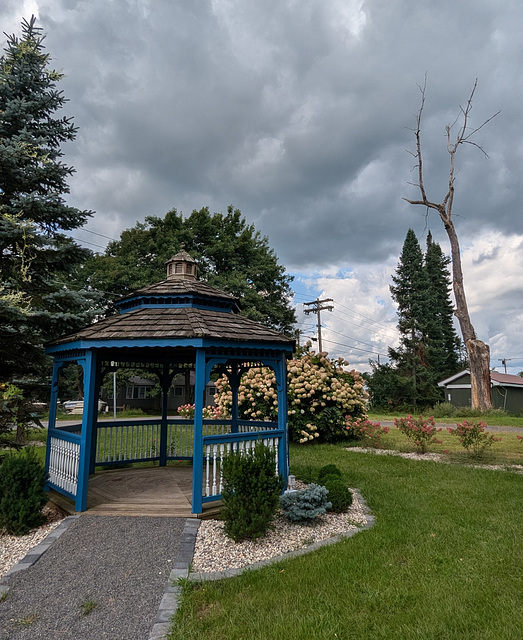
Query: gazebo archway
[{"x": 167, "y": 328}]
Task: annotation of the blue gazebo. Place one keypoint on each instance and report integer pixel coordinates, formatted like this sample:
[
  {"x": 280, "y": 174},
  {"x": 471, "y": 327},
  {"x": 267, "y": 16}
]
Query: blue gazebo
[{"x": 171, "y": 327}]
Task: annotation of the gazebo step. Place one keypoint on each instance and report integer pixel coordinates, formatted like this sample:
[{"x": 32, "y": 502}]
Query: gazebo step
[{"x": 211, "y": 510}]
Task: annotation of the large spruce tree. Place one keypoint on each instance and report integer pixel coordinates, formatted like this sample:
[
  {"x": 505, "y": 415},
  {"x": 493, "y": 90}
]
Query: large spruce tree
[
  {"x": 428, "y": 349},
  {"x": 36, "y": 258},
  {"x": 231, "y": 256}
]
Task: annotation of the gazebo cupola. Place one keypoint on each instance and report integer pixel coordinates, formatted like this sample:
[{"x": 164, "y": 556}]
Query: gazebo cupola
[{"x": 182, "y": 265}]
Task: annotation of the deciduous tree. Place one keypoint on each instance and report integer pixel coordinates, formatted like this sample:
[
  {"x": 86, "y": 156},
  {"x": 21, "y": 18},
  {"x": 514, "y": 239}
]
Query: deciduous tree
[{"x": 231, "y": 256}]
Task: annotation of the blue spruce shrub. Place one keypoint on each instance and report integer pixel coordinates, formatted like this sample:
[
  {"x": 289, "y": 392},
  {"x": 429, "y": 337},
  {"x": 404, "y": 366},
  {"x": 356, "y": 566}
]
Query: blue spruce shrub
[{"x": 305, "y": 505}]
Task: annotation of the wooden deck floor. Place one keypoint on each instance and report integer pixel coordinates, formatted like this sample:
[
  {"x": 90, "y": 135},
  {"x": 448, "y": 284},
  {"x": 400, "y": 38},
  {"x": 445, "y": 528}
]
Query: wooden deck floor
[{"x": 154, "y": 491}]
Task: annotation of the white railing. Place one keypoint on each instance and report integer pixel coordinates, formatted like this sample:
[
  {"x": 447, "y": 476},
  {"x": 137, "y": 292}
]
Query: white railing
[
  {"x": 122, "y": 442},
  {"x": 64, "y": 460},
  {"x": 216, "y": 451}
]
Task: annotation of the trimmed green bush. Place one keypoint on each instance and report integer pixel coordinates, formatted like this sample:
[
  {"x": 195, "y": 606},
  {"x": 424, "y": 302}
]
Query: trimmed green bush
[
  {"x": 305, "y": 505},
  {"x": 339, "y": 494},
  {"x": 251, "y": 490},
  {"x": 22, "y": 496},
  {"x": 328, "y": 470}
]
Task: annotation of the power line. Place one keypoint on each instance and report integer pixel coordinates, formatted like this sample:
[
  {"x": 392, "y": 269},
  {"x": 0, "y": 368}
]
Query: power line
[
  {"x": 87, "y": 242},
  {"x": 95, "y": 233},
  {"x": 357, "y": 348},
  {"x": 350, "y": 337}
]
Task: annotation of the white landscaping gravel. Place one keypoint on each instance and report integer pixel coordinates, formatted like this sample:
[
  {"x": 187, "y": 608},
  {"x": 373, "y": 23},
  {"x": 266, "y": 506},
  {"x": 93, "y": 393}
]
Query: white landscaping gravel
[
  {"x": 215, "y": 552},
  {"x": 14, "y": 548}
]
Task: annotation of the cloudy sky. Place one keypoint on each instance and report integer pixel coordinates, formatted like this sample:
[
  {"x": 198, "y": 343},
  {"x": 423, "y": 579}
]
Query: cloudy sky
[{"x": 300, "y": 113}]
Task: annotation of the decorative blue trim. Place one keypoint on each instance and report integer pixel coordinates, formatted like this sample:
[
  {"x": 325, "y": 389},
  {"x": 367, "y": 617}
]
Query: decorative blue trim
[
  {"x": 256, "y": 349},
  {"x": 234, "y": 437},
  {"x": 143, "y": 304}
]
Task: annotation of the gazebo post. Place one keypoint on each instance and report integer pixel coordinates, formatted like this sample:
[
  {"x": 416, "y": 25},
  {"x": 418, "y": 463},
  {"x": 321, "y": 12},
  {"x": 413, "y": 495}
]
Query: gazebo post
[
  {"x": 281, "y": 385},
  {"x": 94, "y": 427},
  {"x": 197, "y": 469},
  {"x": 53, "y": 401},
  {"x": 165, "y": 381},
  {"x": 234, "y": 380},
  {"x": 88, "y": 421}
]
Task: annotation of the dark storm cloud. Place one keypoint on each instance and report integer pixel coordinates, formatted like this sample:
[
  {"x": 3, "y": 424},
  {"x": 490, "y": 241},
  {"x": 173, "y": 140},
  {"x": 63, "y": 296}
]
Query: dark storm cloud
[{"x": 299, "y": 113}]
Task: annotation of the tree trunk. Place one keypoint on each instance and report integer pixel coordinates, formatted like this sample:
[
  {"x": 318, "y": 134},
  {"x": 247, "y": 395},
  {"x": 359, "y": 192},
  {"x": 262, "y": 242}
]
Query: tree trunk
[
  {"x": 477, "y": 351},
  {"x": 479, "y": 364}
]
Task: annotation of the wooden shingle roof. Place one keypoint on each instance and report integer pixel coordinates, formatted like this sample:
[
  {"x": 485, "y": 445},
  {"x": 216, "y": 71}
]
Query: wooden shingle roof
[
  {"x": 178, "y": 287},
  {"x": 177, "y": 323}
]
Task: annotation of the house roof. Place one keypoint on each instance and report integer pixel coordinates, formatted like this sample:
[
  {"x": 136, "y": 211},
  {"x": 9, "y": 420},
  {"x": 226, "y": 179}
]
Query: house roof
[{"x": 497, "y": 379}]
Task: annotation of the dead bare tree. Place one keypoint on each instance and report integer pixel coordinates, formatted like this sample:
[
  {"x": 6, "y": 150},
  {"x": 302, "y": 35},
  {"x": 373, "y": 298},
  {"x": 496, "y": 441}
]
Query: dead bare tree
[{"x": 477, "y": 351}]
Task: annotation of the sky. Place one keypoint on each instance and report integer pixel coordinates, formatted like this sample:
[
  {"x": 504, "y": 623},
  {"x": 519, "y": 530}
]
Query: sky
[{"x": 301, "y": 114}]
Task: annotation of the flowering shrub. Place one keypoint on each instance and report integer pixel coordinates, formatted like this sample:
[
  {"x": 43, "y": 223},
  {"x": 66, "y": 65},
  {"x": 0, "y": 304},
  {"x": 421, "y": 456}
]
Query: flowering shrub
[
  {"x": 473, "y": 437},
  {"x": 208, "y": 413},
  {"x": 368, "y": 432},
  {"x": 420, "y": 431},
  {"x": 320, "y": 394}
]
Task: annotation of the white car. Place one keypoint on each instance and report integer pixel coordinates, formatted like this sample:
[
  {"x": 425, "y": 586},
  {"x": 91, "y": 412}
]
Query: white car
[{"x": 77, "y": 406}]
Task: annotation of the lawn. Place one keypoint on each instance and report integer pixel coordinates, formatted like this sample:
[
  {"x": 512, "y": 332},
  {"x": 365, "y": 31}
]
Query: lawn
[
  {"x": 493, "y": 418},
  {"x": 443, "y": 561}
]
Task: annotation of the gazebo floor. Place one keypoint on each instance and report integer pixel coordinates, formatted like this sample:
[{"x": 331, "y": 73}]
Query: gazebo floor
[{"x": 147, "y": 491}]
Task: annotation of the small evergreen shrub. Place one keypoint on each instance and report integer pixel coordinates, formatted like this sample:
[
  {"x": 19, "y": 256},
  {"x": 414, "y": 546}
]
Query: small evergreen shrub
[
  {"x": 250, "y": 493},
  {"x": 22, "y": 496},
  {"x": 305, "y": 505},
  {"x": 328, "y": 470},
  {"x": 339, "y": 494}
]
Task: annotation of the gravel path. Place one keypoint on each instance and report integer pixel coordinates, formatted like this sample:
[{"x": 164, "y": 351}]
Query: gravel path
[{"x": 119, "y": 566}]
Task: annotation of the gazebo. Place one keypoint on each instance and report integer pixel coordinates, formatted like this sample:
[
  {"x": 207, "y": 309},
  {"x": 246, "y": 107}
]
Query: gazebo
[{"x": 175, "y": 326}]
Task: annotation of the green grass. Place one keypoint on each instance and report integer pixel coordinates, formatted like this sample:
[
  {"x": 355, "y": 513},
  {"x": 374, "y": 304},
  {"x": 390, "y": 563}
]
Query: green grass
[
  {"x": 443, "y": 561},
  {"x": 507, "y": 452},
  {"x": 494, "y": 419}
]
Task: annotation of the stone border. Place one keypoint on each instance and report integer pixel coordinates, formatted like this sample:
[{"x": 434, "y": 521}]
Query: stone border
[
  {"x": 36, "y": 552},
  {"x": 180, "y": 569}
]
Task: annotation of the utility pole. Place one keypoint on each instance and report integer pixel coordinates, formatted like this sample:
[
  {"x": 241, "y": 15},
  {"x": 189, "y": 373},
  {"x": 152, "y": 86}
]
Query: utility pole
[
  {"x": 504, "y": 362},
  {"x": 317, "y": 306}
]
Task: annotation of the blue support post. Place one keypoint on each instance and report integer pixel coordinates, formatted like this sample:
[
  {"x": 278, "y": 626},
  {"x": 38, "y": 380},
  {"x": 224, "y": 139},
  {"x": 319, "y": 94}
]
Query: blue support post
[
  {"x": 94, "y": 430},
  {"x": 197, "y": 469},
  {"x": 234, "y": 380},
  {"x": 165, "y": 381},
  {"x": 52, "y": 409},
  {"x": 283, "y": 419},
  {"x": 88, "y": 423}
]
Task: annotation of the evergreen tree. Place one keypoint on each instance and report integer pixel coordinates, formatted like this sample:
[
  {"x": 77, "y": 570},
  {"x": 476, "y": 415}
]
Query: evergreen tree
[
  {"x": 231, "y": 256},
  {"x": 442, "y": 340},
  {"x": 410, "y": 291},
  {"x": 36, "y": 259},
  {"x": 429, "y": 346}
]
